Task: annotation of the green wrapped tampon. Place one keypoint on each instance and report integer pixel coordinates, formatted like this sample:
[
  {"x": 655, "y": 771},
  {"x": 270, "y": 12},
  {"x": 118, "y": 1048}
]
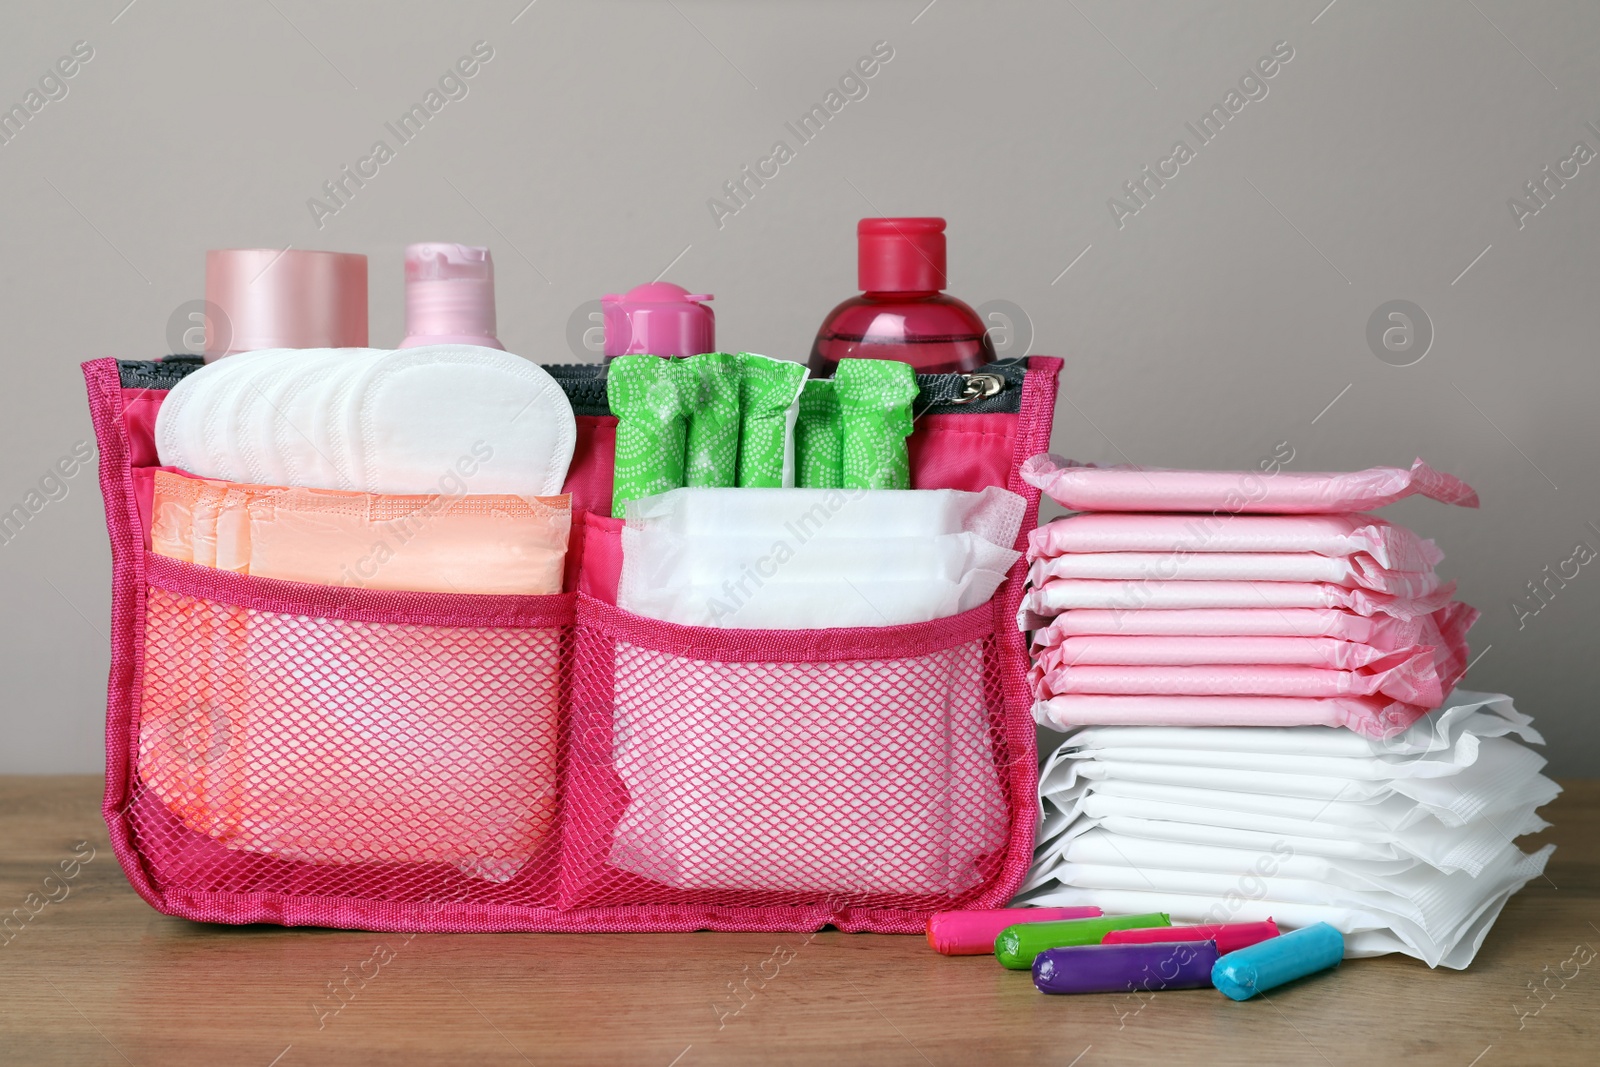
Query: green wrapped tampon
[
  {"x": 644, "y": 395},
  {"x": 875, "y": 398},
  {"x": 709, "y": 385},
  {"x": 818, "y": 448},
  {"x": 1017, "y": 945},
  {"x": 768, "y": 392}
]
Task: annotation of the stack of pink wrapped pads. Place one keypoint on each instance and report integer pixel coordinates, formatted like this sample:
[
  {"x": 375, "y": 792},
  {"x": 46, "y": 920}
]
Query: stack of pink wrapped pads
[{"x": 1211, "y": 598}]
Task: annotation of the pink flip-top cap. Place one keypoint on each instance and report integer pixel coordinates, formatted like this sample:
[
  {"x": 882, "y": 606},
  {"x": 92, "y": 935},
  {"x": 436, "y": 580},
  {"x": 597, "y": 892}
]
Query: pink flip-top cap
[
  {"x": 272, "y": 298},
  {"x": 658, "y": 319},
  {"x": 449, "y": 295}
]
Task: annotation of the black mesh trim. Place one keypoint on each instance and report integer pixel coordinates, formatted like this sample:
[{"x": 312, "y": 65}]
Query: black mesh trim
[{"x": 585, "y": 385}]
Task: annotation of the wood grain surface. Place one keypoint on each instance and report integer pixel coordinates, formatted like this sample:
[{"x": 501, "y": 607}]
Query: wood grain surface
[{"x": 96, "y": 977}]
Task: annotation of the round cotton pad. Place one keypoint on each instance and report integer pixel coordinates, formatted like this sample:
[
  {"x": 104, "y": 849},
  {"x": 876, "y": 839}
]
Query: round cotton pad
[
  {"x": 184, "y": 425},
  {"x": 423, "y": 418},
  {"x": 228, "y": 417},
  {"x": 287, "y": 443}
]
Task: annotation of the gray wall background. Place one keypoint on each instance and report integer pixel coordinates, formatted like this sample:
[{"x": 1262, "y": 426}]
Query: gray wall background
[{"x": 1224, "y": 317}]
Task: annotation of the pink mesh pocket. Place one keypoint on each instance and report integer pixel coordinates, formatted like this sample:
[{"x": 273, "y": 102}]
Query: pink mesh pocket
[
  {"x": 275, "y": 719},
  {"x": 743, "y": 768}
]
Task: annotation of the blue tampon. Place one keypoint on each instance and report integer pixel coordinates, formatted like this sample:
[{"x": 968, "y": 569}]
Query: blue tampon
[{"x": 1270, "y": 963}]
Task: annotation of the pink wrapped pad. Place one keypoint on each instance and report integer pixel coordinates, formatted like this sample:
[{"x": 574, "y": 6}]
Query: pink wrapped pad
[
  {"x": 1411, "y": 676},
  {"x": 1359, "y": 570},
  {"x": 1086, "y": 488},
  {"x": 1138, "y": 651},
  {"x": 1369, "y": 716},
  {"x": 1063, "y": 594},
  {"x": 1327, "y": 535},
  {"x": 1380, "y": 631}
]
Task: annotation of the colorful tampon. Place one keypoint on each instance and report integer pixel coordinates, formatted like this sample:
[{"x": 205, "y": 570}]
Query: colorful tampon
[
  {"x": 1230, "y": 937},
  {"x": 1125, "y": 968},
  {"x": 972, "y": 933},
  {"x": 1016, "y": 946},
  {"x": 1269, "y": 964}
]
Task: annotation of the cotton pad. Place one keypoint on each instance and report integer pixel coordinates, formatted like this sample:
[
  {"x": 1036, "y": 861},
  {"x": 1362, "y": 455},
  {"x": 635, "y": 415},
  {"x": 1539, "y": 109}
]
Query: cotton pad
[
  {"x": 182, "y": 419},
  {"x": 1084, "y": 488},
  {"x": 1182, "y": 535},
  {"x": 418, "y": 414}
]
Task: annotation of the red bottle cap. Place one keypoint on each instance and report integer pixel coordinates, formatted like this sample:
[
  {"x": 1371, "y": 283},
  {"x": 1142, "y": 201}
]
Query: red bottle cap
[{"x": 900, "y": 255}]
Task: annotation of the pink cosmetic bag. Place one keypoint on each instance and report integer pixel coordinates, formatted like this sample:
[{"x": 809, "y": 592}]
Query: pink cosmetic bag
[{"x": 304, "y": 754}]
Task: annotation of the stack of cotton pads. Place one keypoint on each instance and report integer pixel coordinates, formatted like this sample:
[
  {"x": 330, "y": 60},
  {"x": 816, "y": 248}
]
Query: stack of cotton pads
[
  {"x": 1404, "y": 845},
  {"x": 1198, "y": 598},
  {"x": 372, "y": 421}
]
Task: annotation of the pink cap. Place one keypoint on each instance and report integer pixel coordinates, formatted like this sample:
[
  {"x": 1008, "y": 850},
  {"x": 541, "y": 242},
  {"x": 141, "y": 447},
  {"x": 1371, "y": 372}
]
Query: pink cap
[
  {"x": 900, "y": 255},
  {"x": 658, "y": 319},
  {"x": 272, "y": 298},
  {"x": 449, "y": 295},
  {"x": 972, "y": 933}
]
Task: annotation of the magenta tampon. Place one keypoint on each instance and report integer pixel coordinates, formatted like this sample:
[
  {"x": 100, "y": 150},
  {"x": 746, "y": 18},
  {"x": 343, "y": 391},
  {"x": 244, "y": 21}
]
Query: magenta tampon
[
  {"x": 1125, "y": 968},
  {"x": 972, "y": 933},
  {"x": 1230, "y": 937}
]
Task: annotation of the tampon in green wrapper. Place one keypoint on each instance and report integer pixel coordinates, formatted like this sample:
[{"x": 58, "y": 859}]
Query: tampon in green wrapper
[
  {"x": 644, "y": 395},
  {"x": 769, "y": 389},
  {"x": 818, "y": 447},
  {"x": 709, "y": 385},
  {"x": 1017, "y": 945},
  {"x": 875, "y": 398}
]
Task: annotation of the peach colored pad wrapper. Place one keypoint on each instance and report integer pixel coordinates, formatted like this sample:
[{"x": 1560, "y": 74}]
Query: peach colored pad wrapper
[
  {"x": 1086, "y": 488},
  {"x": 426, "y": 544}
]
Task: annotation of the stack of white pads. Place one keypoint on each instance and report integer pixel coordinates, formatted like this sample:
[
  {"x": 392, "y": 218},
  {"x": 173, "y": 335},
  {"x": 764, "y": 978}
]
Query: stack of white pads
[
  {"x": 1404, "y": 845},
  {"x": 1247, "y": 663}
]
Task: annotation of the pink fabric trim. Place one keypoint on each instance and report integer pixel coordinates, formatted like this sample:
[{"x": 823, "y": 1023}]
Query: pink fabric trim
[
  {"x": 357, "y": 605},
  {"x": 106, "y": 397},
  {"x": 786, "y": 646}
]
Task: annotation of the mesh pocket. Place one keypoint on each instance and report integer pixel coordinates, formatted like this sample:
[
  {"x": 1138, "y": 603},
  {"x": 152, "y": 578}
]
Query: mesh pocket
[
  {"x": 383, "y": 759},
  {"x": 736, "y": 768}
]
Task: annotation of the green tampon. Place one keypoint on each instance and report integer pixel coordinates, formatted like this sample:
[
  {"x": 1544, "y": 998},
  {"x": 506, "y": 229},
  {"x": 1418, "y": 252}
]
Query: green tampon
[
  {"x": 644, "y": 395},
  {"x": 768, "y": 391},
  {"x": 709, "y": 385},
  {"x": 1017, "y": 945},
  {"x": 818, "y": 448},
  {"x": 875, "y": 398}
]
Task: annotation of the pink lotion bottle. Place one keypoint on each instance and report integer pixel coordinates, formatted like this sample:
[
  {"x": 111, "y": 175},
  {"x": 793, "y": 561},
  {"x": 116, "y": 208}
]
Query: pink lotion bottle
[
  {"x": 902, "y": 312},
  {"x": 449, "y": 296}
]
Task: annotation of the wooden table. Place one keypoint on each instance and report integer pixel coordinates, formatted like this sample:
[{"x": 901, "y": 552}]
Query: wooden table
[{"x": 99, "y": 978}]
